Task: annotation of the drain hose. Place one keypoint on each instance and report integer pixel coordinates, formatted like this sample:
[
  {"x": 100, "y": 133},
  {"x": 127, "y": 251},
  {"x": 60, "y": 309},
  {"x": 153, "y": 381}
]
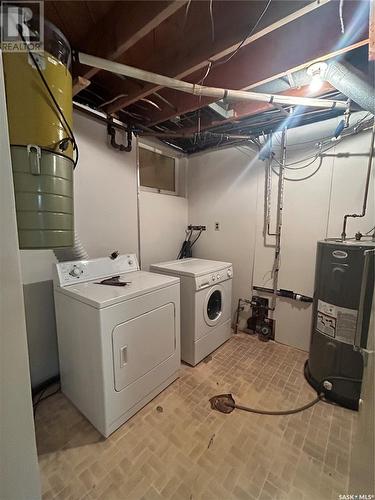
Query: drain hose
[
  {"x": 225, "y": 403},
  {"x": 280, "y": 412}
]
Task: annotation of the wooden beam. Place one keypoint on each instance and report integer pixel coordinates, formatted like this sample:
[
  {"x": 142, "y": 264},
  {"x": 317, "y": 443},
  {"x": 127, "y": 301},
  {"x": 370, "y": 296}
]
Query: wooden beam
[
  {"x": 285, "y": 50},
  {"x": 371, "y": 50},
  {"x": 198, "y": 50},
  {"x": 79, "y": 84},
  {"x": 125, "y": 25}
]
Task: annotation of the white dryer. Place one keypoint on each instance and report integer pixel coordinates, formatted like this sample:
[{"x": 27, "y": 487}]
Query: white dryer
[
  {"x": 119, "y": 345},
  {"x": 206, "y": 304}
]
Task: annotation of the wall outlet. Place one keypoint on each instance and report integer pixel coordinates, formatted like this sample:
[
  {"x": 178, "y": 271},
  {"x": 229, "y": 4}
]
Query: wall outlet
[{"x": 217, "y": 226}]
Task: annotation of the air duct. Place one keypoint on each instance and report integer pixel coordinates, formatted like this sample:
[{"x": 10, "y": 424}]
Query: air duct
[
  {"x": 352, "y": 83},
  {"x": 76, "y": 252}
]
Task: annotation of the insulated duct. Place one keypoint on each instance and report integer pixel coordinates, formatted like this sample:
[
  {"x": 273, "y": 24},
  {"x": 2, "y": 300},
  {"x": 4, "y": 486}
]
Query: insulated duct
[
  {"x": 76, "y": 252},
  {"x": 352, "y": 83}
]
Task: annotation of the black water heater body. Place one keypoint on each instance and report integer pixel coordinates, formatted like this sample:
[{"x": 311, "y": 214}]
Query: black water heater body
[{"x": 332, "y": 357}]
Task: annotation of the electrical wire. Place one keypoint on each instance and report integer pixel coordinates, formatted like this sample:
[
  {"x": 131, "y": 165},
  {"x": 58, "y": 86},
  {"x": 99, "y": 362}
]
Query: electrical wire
[
  {"x": 299, "y": 168},
  {"x": 206, "y": 74},
  {"x": 248, "y": 35},
  {"x": 186, "y": 15},
  {"x": 212, "y": 20},
  {"x": 62, "y": 118},
  {"x": 315, "y": 157},
  {"x": 362, "y": 119},
  {"x": 197, "y": 238},
  {"x": 303, "y": 178},
  {"x": 41, "y": 398},
  {"x": 188, "y": 236},
  {"x": 341, "y": 16},
  {"x": 351, "y": 131}
]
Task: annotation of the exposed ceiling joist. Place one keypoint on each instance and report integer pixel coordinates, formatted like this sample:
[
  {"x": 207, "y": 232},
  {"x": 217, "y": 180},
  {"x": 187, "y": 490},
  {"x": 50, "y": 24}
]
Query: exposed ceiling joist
[
  {"x": 277, "y": 57},
  {"x": 79, "y": 84},
  {"x": 197, "y": 54},
  {"x": 119, "y": 31},
  {"x": 371, "y": 51}
]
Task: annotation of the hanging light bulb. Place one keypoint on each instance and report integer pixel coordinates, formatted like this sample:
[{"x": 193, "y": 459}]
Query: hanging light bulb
[
  {"x": 316, "y": 83},
  {"x": 316, "y": 72}
]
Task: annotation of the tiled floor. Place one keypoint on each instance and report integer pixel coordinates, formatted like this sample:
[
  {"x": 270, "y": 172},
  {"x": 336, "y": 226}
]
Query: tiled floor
[{"x": 189, "y": 452}]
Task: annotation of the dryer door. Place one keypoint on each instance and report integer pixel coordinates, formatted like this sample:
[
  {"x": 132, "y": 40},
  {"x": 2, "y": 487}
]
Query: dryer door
[
  {"x": 214, "y": 305},
  {"x": 143, "y": 343}
]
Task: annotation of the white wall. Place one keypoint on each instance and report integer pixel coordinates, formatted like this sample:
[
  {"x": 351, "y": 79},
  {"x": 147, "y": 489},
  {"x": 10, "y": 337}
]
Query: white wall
[
  {"x": 163, "y": 219},
  {"x": 106, "y": 217},
  {"x": 228, "y": 187},
  {"x": 18, "y": 457},
  {"x": 222, "y": 187},
  {"x": 105, "y": 196}
]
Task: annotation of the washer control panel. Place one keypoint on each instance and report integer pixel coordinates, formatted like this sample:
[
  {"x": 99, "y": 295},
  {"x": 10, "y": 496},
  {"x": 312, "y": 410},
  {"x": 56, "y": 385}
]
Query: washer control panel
[
  {"x": 214, "y": 278},
  {"x": 68, "y": 273}
]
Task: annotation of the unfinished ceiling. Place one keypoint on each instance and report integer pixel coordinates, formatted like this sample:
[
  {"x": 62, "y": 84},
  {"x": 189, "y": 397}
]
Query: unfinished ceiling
[{"x": 259, "y": 45}]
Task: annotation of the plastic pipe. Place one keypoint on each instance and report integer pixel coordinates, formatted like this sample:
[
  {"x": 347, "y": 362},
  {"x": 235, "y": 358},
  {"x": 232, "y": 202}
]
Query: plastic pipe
[{"x": 200, "y": 90}]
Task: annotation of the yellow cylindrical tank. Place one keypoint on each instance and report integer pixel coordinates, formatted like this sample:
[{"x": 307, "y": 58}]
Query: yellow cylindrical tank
[{"x": 42, "y": 168}]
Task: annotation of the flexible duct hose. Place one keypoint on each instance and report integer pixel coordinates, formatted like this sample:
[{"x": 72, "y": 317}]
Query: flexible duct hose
[
  {"x": 352, "y": 83},
  {"x": 76, "y": 252}
]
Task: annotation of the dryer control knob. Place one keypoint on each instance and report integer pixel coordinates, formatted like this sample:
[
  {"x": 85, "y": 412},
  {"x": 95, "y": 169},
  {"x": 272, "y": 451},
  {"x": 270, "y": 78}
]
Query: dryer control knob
[
  {"x": 213, "y": 278},
  {"x": 229, "y": 273},
  {"x": 218, "y": 276},
  {"x": 75, "y": 271}
]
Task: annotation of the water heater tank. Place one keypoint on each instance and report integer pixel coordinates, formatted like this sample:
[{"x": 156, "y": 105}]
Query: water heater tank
[
  {"x": 42, "y": 169},
  {"x": 338, "y": 279}
]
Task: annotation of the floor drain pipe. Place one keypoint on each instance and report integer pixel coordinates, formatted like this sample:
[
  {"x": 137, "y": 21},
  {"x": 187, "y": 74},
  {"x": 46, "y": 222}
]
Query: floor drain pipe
[{"x": 279, "y": 218}]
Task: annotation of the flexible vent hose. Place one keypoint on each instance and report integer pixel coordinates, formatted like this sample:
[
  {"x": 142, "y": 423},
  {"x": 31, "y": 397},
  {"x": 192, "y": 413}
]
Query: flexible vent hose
[{"x": 76, "y": 252}]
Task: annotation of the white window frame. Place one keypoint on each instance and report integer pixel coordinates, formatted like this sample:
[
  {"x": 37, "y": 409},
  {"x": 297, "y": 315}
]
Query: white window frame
[{"x": 176, "y": 170}]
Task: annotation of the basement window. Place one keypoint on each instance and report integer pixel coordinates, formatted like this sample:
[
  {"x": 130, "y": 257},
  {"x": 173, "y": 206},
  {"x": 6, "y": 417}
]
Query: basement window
[{"x": 157, "y": 171}]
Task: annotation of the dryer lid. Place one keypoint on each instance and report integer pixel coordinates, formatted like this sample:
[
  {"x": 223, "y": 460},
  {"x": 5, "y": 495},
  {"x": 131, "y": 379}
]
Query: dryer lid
[
  {"x": 99, "y": 296},
  {"x": 190, "y": 267}
]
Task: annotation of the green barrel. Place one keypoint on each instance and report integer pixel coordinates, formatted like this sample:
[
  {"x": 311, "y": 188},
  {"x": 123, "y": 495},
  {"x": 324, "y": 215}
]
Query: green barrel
[{"x": 43, "y": 183}]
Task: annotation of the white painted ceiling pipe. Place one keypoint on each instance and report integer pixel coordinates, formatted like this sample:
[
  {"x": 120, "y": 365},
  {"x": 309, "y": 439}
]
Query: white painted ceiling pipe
[{"x": 200, "y": 90}]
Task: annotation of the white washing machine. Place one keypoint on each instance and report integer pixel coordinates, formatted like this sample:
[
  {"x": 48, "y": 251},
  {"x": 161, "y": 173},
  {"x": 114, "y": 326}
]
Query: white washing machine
[
  {"x": 119, "y": 345},
  {"x": 206, "y": 304}
]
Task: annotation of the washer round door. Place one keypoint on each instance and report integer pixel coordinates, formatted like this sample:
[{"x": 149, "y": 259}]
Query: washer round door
[{"x": 213, "y": 305}]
